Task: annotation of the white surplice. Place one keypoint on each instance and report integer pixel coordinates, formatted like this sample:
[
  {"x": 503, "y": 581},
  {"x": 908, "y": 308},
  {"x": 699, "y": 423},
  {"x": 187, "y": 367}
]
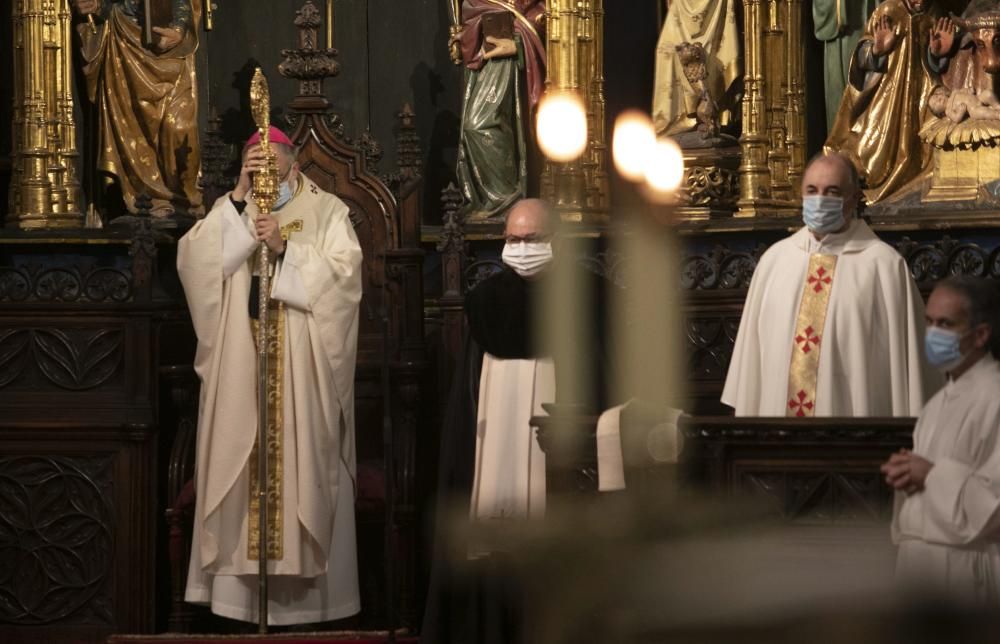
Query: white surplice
[
  {"x": 871, "y": 354},
  {"x": 509, "y": 480},
  {"x": 319, "y": 281},
  {"x": 949, "y": 534}
]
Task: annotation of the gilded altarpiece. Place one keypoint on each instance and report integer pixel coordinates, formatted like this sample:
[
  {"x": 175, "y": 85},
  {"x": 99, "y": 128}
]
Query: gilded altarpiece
[
  {"x": 773, "y": 142},
  {"x": 575, "y": 47}
]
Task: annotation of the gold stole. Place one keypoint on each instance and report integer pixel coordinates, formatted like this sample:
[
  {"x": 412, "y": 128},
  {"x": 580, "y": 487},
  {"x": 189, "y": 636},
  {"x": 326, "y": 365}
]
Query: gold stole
[
  {"x": 803, "y": 371},
  {"x": 275, "y": 435}
]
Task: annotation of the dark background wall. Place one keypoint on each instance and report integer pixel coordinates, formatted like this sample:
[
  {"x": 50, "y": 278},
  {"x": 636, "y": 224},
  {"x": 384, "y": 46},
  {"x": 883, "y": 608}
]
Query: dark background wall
[{"x": 390, "y": 52}]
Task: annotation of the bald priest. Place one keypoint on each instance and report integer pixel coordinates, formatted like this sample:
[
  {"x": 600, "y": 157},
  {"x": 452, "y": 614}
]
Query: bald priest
[
  {"x": 833, "y": 324},
  {"x": 313, "y": 314}
]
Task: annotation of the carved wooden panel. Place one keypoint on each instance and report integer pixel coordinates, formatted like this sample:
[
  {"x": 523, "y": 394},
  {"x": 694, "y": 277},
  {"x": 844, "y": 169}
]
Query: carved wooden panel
[
  {"x": 79, "y": 311},
  {"x": 71, "y": 359},
  {"x": 817, "y": 492},
  {"x": 930, "y": 258},
  {"x": 50, "y": 365},
  {"x": 64, "y": 285},
  {"x": 57, "y": 527},
  {"x": 710, "y": 342},
  {"x": 76, "y": 531},
  {"x": 814, "y": 472}
]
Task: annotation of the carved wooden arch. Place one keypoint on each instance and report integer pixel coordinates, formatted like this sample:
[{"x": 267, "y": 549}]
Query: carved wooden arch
[{"x": 341, "y": 168}]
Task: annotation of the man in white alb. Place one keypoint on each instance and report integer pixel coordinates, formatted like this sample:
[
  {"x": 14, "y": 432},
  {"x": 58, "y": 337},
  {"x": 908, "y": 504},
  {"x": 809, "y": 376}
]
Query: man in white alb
[
  {"x": 833, "y": 322},
  {"x": 945, "y": 519},
  {"x": 509, "y": 475},
  {"x": 315, "y": 293}
]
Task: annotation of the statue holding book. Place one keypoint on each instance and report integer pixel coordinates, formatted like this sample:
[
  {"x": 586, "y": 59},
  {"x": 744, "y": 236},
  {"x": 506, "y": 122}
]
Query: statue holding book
[
  {"x": 139, "y": 62},
  {"x": 502, "y": 46}
]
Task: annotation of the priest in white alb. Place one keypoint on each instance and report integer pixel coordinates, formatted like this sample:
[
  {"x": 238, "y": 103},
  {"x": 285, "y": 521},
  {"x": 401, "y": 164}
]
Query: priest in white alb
[
  {"x": 313, "y": 317},
  {"x": 946, "y": 521},
  {"x": 833, "y": 324}
]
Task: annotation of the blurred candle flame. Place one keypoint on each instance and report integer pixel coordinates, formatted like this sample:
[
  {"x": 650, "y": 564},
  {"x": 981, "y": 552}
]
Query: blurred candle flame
[
  {"x": 562, "y": 126},
  {"x": 633, "y": 143}
]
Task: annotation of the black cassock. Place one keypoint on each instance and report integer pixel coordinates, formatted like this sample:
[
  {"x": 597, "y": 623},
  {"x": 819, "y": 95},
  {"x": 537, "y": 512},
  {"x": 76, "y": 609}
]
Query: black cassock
[{"x": 477, "y": 601}]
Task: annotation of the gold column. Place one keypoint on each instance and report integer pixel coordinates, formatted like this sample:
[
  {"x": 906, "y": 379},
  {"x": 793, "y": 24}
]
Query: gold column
[
  {"x": 45, "y": 190},
  {"x": 774, "y": 68},
  {"x": 575, "y": 61},
  {"x": 773, "y": 139},
  {"x": 795, "y": 115},
  {"x": 753, "y": 143}
]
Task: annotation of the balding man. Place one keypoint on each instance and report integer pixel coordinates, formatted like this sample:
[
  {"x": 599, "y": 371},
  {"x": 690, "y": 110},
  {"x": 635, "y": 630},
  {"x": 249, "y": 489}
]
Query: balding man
[
  {"x": 490, "y": 463},
  {"x": 833, "y": 324},
  {"x": 509, "y": 478},
  {"x": 948, "y": 488}
]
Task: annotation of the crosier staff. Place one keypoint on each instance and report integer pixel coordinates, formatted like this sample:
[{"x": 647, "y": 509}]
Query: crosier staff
[
  {"x": 454, "y": 31},
  {"x": 265, "y": 193}
]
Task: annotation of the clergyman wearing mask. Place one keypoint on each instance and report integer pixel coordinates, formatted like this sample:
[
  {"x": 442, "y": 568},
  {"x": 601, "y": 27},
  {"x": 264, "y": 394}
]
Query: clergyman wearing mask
[
  {"x": 833, "y": 324},
  {"x": 945, "y": 518},
  {"x": 516, "y": 378}
]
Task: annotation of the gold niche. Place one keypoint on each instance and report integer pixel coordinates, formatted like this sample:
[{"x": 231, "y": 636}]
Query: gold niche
[
  {"x": 575, "y": 61},
  {"x": 45, "y": 188},
  {"x": 773, "y": 141}
]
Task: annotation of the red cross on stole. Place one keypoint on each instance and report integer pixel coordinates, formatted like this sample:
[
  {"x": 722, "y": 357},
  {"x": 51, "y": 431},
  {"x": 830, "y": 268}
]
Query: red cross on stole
[{"x": 808, "y": 334}]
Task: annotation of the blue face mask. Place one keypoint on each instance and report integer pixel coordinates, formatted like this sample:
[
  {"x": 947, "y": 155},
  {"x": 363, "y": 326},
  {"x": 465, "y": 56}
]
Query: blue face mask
[
  {"x": 942, "y": 348},
  {"x": 284, "y": 195},
  {"x": 823, "y": 214}
]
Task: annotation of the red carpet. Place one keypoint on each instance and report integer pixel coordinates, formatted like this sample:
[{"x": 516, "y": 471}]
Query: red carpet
[{"x": 280, "y": 638}]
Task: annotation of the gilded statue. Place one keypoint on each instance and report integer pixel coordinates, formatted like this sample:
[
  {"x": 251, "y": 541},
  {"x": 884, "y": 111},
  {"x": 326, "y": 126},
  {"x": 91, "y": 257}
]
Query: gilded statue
[
  {"x": 886, "y": 102},
  {"x": 501, "y": 43},
  {"x": 146, "y": 98},
  {"x": 677, "y": 94},
  {"x": 838, "y": 24}
]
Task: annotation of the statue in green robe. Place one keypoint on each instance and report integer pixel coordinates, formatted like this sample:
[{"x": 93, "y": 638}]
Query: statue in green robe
[
  {"x": 839, "y": 24},
  {"x": 504, "y": 79}
]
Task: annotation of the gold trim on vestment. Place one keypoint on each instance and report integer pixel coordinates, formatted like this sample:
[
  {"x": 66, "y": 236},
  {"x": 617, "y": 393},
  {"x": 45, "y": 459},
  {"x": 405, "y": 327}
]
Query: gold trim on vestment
[
  {"x": 509, "y": 6},
  {"x": 294, "y": 226},
  {"x": 804, "y": 368},
  {"x": 275, "y": 443}
]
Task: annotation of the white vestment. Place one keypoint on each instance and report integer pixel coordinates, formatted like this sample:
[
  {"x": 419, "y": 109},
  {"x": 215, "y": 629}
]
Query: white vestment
[
  {"x": 949, "y": 534},
  {"x": 509, "y": 481},
  {"x": 319, "y": 281},
  {"x": 871, "y": 350}
]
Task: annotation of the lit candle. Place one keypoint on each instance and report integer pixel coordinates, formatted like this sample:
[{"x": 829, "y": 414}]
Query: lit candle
[
  {"x": 632, "y": 144},
  {"x": 664, "y": 171},
  {"x": 329, "y": 24},
  {"x": 561, "y": 126}
]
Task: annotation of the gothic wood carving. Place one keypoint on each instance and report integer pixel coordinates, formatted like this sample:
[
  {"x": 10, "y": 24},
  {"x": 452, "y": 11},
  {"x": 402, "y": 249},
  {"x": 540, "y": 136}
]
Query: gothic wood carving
[{"x": 57, "y": 528}]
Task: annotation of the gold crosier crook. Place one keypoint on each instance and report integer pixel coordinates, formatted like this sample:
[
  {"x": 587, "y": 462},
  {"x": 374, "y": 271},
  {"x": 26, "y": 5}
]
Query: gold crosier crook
[{"x": 265, "y": 193}]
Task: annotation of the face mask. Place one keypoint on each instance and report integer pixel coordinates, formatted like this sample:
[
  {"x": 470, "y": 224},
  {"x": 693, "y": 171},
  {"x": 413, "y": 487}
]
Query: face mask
[
  {"x": 823, "y": 214},
  {"x": 942, "y": 348},
  {"x": 284, "y": 195},
  {"x": 527, "y": 258}
]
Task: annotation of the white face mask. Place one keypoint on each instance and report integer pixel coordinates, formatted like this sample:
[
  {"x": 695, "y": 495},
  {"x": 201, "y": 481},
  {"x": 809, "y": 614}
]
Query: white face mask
[
  {"x": 823, "y": 214},
  {"x": 285, "y": 192},
  {"x": 527, "y": 258},
  {"x": 284, "y": 195}
]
